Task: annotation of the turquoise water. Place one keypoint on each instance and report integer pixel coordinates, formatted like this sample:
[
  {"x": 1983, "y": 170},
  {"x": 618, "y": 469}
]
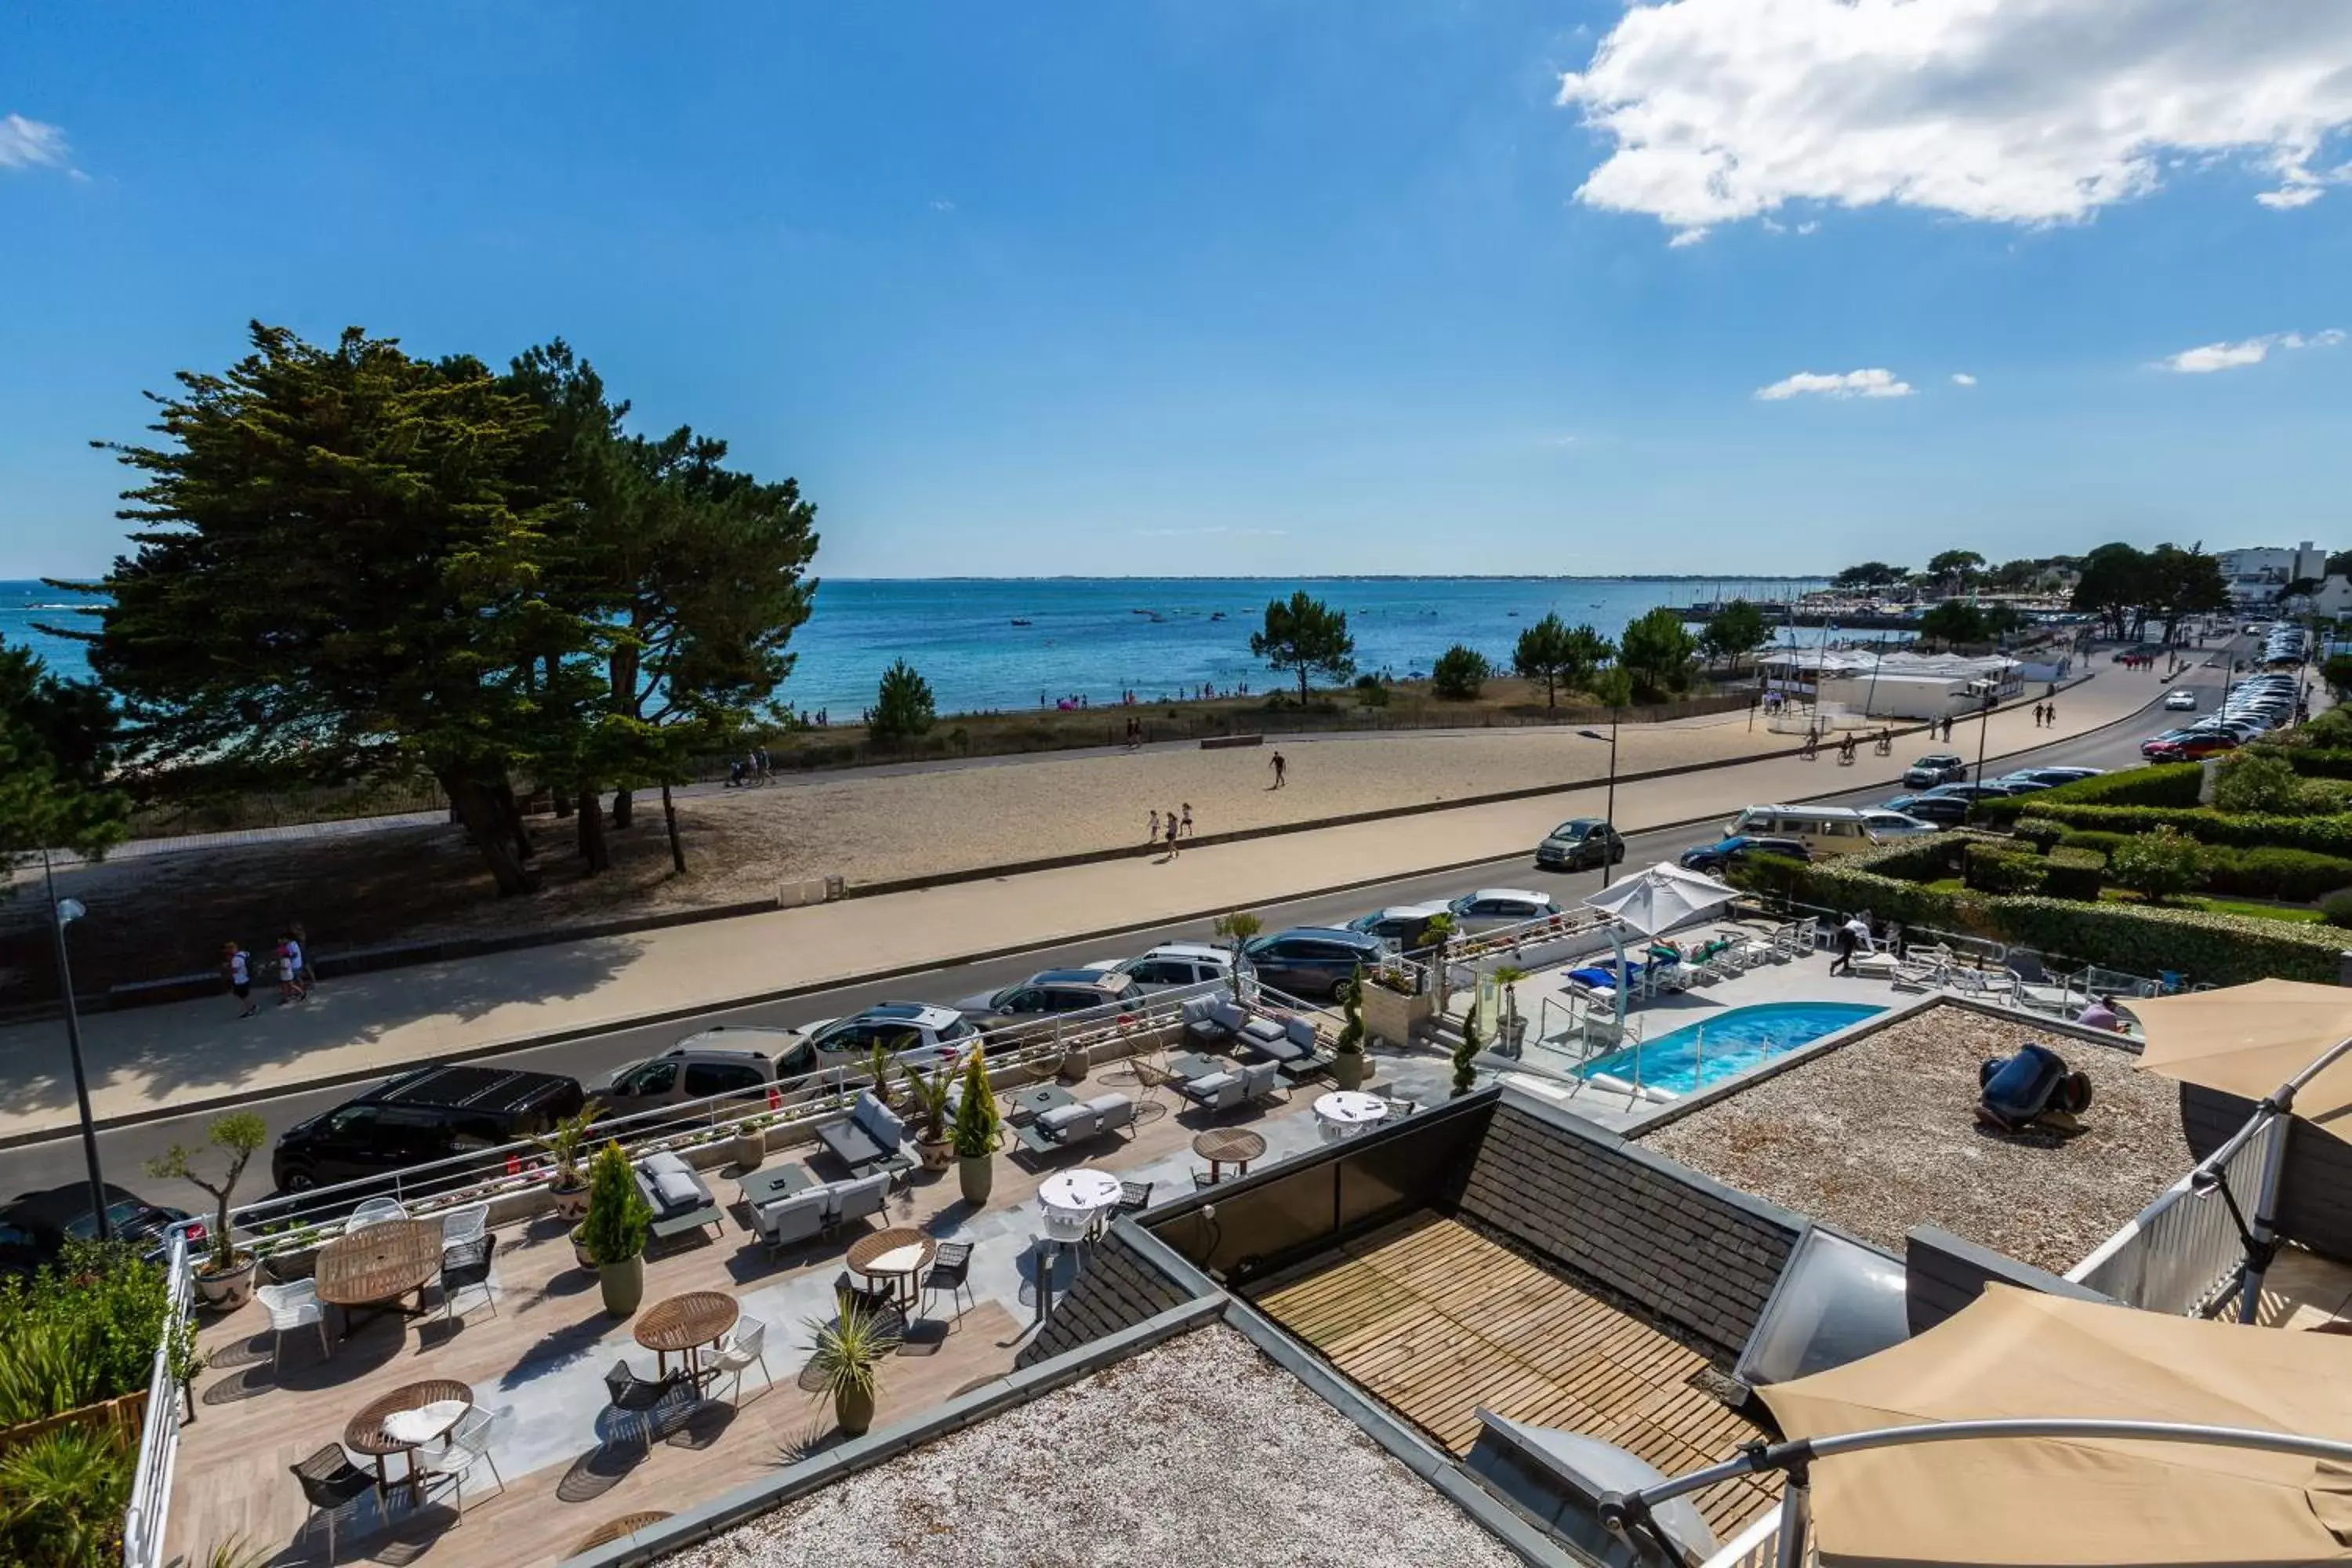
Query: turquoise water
[{"x": 1734, "y": 1040}]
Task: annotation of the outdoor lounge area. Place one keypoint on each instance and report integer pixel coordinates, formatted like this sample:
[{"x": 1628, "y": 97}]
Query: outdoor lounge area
[{"x": 574, "y": 1421}]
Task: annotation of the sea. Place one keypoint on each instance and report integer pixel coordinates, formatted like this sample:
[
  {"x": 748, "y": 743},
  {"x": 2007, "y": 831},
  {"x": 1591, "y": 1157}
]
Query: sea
[{"x": 998, "y": 644}]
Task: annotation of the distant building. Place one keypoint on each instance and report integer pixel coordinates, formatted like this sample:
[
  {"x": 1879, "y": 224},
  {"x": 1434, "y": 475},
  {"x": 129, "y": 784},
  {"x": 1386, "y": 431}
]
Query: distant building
[
  {"x": 2255, "y": 574},
  {"x": 2333, "y": 598}
]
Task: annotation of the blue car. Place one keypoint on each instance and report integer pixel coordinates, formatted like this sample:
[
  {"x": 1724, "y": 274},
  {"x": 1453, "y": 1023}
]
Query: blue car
[{"x": 1714, "y": 858}]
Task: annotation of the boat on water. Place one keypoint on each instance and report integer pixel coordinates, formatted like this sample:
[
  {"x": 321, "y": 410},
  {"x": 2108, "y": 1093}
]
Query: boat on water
[
  {"x": 1018, "y": 622},
  {"x": 1217, "y": 615}
]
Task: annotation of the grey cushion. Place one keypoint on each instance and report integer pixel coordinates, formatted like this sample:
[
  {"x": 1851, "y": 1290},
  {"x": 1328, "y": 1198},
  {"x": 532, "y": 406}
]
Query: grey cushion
[
  {"x": 796, "y": 1218},
  {"x": 1259, "y": 1077},
  {"x": 879, "y": 1120},
  {"x": 678, "y": 1189},
  {"x": 667, "y": 1160},
  {"x": 1262, "y": 1029},
  {"x": 1064, "y": 1120},
  {"x": 1207, "y": 1088},
  {"x": 1198, "y": 1009},
  {"x": 1227, "y": 1013},
  {"x": 856, "y": 1200},
  {"x": 1111, "y": 1112},
  {"x": 1301, "y": 1032}
]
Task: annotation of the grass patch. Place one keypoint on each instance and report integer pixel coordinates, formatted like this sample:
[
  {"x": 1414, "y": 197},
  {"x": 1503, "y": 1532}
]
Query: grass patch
[{"x": 2296, "y": 914}]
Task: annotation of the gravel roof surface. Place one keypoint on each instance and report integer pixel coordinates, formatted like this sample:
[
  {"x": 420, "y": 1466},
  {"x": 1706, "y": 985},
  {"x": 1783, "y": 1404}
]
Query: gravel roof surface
[
  {"x": 1880, "y": 1135},
  {"x": 1200, "y": 1451}
]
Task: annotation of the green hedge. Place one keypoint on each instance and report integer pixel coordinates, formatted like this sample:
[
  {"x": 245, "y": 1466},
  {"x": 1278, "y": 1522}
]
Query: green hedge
[
  {"x": 1997, "y": 869},
  {"x": 2219, "y": 950},
  {"x": 2296, "y": 876},
  {"x": 2166, "y": 784},
  {"x": 2040, "y": 832},
  {"x": 2330, "y": 835},
  {"x": 2317, "y": 762},
  {"x": 2075, "y": 874},
  {"x": 2092, "y": 839}
]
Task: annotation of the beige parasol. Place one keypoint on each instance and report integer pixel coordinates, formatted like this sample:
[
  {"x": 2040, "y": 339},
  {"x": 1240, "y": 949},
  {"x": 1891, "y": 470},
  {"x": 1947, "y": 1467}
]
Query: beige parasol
[
  {"x": 2015, "y": 1354},
  {"x": 2247, "y": 1040}
]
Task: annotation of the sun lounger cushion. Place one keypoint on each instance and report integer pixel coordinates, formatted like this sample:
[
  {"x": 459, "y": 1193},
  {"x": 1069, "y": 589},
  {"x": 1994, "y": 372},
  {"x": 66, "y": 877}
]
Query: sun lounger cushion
[
  {"x": 881, "y": 1123},
  {"x": 1111, "y": 1112},
  {"x": 1262, "y": 1031},
  {"x": 678, "y": 1191},
  {"x": 1227, "y": 1014},
  {"x": 1301, "y": 1032},
  {"x": 1067, "y": 1121},
  {"x": 1207, "y": 1086}
]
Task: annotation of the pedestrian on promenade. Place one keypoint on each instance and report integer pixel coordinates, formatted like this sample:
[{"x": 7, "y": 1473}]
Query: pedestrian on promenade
[
  {"x": 239, "y": 964},
  {"x": 303, "y": 972},
  {"x": 289, "y": 984},
  {"x": 2050, "y": 712},
  {"x": 2037, "y": 715},
  {"x": 1280, "y": 768},
  {"x": 1151, "y": 834},
  {"x": 1171, "y": 834},
  {"x": 1188, "y": 819},
  {"x": 1813, "y": 746}
]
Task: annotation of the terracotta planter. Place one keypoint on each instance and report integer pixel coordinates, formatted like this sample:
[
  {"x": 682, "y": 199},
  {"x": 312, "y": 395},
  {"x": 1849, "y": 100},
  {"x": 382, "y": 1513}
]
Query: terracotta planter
[
  {"x": 1350, "y": 1068},
  {"x": 228, "y": 1289},
  {"x": 934, "y": 1156},
  {"x": 853, "y": 1411},
  {"x": 1393, "y": 1019},
  {"x": 571, "y": 1203},
  {"x": 978, "y": 1174},
  {"x": 1076, "y": 1064},
  {"x": 751, "y": 1148},
  {"x": 623, "y": 1285}
]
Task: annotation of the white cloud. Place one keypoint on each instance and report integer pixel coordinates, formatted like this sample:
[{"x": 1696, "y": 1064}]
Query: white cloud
[
  {"x": 1687, "y": 236},
  {"x": 2210, "y": 357},
  {"x": 1852, "y": 384},
  {"x": 30, "y": 144},
  {"x": 1962, "y": 378},
  {"x": 942, "y": 205},
  {"x": 2029, "y": 111}
]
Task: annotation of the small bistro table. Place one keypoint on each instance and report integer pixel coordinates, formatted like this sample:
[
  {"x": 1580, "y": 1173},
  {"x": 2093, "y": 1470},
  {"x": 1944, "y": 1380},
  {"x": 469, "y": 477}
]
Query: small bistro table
[
  {"x": 1193, "y": 1064},
  {"x": 1036, "y": 1101},
  {"x": 1075, "y": 1202},
  {"x": 898, "y": 1255},
  {"x": 682, "y": 1325},
  {"x": 379, "y": 1266},
  {"x": 1222, "y": 1146},
  {"x": 403, "y": 1422},
  {"x": 1343, "y": 1113}
]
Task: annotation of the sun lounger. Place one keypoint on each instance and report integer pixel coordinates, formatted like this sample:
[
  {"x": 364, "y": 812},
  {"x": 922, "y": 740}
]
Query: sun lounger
[
  {"x": 869, "y": 1136},
  {"x": 680, "y": 1201},
  {"x": 1071, "y": 1124}
]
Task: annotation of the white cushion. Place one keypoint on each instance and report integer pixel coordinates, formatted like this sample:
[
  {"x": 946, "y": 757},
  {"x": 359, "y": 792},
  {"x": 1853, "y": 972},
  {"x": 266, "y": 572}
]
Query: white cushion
[
  {"x": 1068, "y": 1121},
  {"x": 667, "y": 1160},
  {"x": 879, "y": 1120},
  {"x": 1227, "y": 1013},
  {"x": 678, "y": 1189}
]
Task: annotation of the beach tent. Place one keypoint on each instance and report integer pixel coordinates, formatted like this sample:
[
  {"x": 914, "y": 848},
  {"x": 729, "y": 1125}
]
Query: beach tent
[
  {"x": 2249, "y": 1040},
  {"x": 2018, "y": 1354},
  {"x": 1659, "y": 899}
]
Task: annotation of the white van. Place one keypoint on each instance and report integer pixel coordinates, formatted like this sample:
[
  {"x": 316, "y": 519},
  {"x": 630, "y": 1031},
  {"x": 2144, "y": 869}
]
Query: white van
[{"x": 1827, "y": 829}]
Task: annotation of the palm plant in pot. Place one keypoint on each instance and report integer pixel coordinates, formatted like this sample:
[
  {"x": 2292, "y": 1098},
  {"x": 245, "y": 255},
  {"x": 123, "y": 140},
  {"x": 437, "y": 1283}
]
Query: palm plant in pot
[
  {"x": 224, "y": 1279},
  {"x": 847, "y": 1357},
  {"x": 1350, "y": 1065},
  {"x": 1515, "y": 1027},
  {"x": 977, "y": 1132},
  {"x": 614, "y": 1232},
  {"x": 1435, "y": 933},
  {"x": 934, "y": 1102},
  {"x": 564, "y": 1143}
]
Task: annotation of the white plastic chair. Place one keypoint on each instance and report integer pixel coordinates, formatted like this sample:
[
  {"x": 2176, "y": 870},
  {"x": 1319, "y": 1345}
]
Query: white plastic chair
[
  {"x": 294, "y": 1305},
  {"x": 746, "y": 1345},
  {"x": 375, "y": 1210},
  {"x": 461, "y": 1226},
  {"x": 466, "y": 1445}
]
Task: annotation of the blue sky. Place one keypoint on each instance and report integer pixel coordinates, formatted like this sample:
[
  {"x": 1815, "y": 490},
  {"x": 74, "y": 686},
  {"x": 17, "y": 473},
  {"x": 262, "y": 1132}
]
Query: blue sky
[{"x": 1297, "y": 285}]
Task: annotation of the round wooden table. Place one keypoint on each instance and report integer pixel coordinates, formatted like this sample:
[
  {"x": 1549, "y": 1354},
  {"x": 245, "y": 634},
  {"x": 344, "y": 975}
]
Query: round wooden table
[
  {"x": 685, "y": 1324},
  {"x": 1222, "y": 1146},
  {"x": 366, "y": 1435},
  {"x": 612, "y": 1530},
  {"x": 380, "y": 1265},
  {"x": 898, "y": 1255}
]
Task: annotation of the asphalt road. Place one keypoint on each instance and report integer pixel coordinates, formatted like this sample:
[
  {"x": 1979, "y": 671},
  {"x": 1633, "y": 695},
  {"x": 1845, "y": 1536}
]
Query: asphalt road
[{"x": 123, "y": 1152}]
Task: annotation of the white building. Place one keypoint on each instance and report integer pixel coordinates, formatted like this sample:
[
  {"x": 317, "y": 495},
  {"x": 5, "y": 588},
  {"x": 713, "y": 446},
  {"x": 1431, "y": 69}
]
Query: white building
[
  {"x": 1899, "y": 685},
  {"x": 2270, "y": 565}
]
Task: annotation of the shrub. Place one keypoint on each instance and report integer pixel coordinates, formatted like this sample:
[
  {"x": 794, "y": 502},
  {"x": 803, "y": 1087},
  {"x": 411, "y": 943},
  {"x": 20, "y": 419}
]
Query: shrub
[
  {"x": 979, "y": 1126},
  {"x": 2338, "y": 907},
  {"x": 1459, "y": 674},
  {"x": 2100, "y": 844},
  {"x": 2294, "y": 875},
  {"x": 2166, "y": 784},
  {"x": 903, "y": 708},
  {"x": 619, "y": 1218},
  {"x": 2158, "y": 865},
  {"x": 2040, "y": 832},
  {"x": 2314, "y": 761},
  {"x": 1773, "y": 876},
  {"x": 1994, "y": 870},
  {"x": 62, "y": 1497},
  {"x": 2259, "y": 781},
  {"x": 2329, "y": 835},
  {"x": 80, "y": 1331},
  {"x": 2075, "y": 874},
  {"x": 2139, "y": 938},
  {"x": 1370, "y": 693}
]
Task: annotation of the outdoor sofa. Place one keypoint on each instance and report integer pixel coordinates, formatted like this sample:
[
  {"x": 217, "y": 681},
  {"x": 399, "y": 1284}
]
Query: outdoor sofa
[
  {"x": 820, "y": 1211},
  {"x": 1067, "y": 1125},
  {"x": 1235, "y": 1087},
  {"x": 866, "y": 1139},
  {"x": 680, "y": 1201}
]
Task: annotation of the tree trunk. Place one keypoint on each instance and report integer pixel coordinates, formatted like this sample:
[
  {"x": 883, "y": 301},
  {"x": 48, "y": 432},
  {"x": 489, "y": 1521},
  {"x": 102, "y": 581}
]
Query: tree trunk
[
  {"x": 670, "y": 816},
  {"x": 1302, "y": 688},
  {"x": 592, "y": 847},
  {"x": 510, "y": 811},
  {"x": 624, "y": 808},
  {"x": 563, "y": 802},
  {"x": 477, "y": 808}
]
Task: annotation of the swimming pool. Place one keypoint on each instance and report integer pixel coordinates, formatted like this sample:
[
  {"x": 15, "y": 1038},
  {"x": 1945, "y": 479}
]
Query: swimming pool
[{"x": 1730, "y": 1042}]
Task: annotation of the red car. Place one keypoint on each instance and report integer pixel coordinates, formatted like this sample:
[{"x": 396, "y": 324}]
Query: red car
[{"x": 2188, "y": 748}]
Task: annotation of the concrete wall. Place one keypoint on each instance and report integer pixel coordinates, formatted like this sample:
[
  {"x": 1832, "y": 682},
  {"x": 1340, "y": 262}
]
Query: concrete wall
[{"x": 1944, "y": 1273}]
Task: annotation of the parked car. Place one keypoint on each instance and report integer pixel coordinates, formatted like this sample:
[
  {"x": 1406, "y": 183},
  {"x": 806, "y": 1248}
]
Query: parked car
[
  {"x": 919, "y": 1034},
  {"x": 34, "y": 1229},
  {"x": 1943, "y": 810},
  {"x": 432, "y": 1113},
  {"x": 2048, "y": 778},
  {"x": 1048, "y": 993},
  {"x": 684, "y": 1072},
  {"x": 2149, "y": 747},
  {"x": 1882, "y": 825},
  {"x": 1580, "y": 843},
  {"x": 2192, "y": 748},
  {"x": 2183, "y": 701},
  {"x": 1407, "y": 925},
  {"x": 1311, "y": 961},
  {"x": 1172, "y": 963},
  {"x": 1713, "y": 859},
  {"x": 2019, "y": 782},
  {"x": 1489, "y": 909},
  {"x": 1987, "y": 791},
  {"x": 1937, "y": 767}
]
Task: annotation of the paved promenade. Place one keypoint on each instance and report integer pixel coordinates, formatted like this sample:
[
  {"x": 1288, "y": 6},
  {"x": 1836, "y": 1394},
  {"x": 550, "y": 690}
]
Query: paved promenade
[{"x": 146, "y": 1059}]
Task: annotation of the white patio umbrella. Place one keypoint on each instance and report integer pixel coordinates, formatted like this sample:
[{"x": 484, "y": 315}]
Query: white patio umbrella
[{"x": 1659, "y": 899}]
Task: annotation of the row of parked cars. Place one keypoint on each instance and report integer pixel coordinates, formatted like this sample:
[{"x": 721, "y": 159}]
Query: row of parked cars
[{"x": 2254, "y": 707}]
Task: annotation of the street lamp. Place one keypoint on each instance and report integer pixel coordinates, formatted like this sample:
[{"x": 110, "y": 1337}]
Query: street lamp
[
  {"x": 1984, "y": 723},
  {"x": 1608, "y": 812},
  {"x": 63, "y": 913}
]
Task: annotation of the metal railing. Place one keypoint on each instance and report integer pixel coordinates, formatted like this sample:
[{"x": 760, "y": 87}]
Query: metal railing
[
  {"x": 1756, "y": 1546},
  {"x": 2182, "y": 1253},
  {"x": 144, "y": 1521}
]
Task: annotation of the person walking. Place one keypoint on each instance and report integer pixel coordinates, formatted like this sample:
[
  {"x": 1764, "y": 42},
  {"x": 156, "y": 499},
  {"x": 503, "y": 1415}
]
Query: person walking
[
  {"x": 1280, "y": 769},
  {"x": 1188, "y": 819},
  {"x": 1850, "y": 934},
  {"x": 239, "y": 964},
  {"x": 289, "y": 985},
  {"x": 2037, "y": 715},
  {"x": 2049, "y": 712},
  {"x": 298, "y": 948},
  {"x": 1171, "y": 834},
  {"x": 1151, "y": 834}
]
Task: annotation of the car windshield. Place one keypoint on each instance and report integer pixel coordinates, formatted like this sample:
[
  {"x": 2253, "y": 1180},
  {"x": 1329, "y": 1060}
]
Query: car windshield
[{"x": 1576, "y": 829}]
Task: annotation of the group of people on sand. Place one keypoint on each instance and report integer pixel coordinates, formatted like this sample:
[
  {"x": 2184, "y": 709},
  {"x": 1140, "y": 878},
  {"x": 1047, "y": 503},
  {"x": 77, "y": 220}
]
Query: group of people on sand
[
  {"x": 1178, "y": 827},
  {"x": 292, "y": 960}
]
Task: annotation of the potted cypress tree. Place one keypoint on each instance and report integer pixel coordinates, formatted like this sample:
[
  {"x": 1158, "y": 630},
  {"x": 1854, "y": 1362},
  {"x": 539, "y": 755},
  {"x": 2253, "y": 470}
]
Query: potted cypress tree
[
  {"x": 1515, "y": 1027},
  {"x": 978, "y": 1131},
  {"x": 1465, "y": 1055},
  {"x": 932, "y": 1101},
  {"x": 564, "y": 1143},
  {"x": 1350, "y": 1066},
  {"x": 847, "y": 1356},
  {"x": 614, "y": 1232},
  {"x": 224, "y": 1279}
]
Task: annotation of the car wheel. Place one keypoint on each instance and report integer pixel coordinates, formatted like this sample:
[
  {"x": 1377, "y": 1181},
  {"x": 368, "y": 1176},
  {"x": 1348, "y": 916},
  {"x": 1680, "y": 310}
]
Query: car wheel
[{"x": 297, "y": 1181}]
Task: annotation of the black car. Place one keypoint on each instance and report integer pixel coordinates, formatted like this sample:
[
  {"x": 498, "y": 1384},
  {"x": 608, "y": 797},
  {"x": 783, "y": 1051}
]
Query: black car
[
  {"x": 1579, "y": 844},
  {"x": 433, "y": 1114},
  {"x": 1312, "y": 960},
  {"x": 1714, "y": 857},
  {"x": 34, "y": 1228},
  {"x": 1943, "y": 810}
]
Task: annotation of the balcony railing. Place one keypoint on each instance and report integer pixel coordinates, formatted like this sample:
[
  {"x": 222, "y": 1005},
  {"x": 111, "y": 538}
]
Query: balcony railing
[
  {"x": 159, "y": 1440},
  {"x": 2182, "y": 1254}
]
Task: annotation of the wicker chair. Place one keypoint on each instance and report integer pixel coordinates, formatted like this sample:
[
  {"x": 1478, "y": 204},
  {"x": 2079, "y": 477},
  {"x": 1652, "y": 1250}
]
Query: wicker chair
[
  {"x": 331, "y": 1483},
  {"x": 950, "y": 1270},
  {"x": 467, "y": 1266},
  {"x": 467, "y": 1445}
]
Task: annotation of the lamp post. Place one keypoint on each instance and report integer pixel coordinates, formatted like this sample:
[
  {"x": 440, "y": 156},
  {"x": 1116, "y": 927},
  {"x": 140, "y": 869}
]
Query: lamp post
[
  {"x": 62, "y": 913},
  {"x": 1608, "y": 812},
  {"x": 1984, "y": 723}
]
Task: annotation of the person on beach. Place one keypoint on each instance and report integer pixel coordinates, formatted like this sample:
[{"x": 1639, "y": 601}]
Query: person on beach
[
  {"x": 1280, "y": 768},
  {"x": 1188, "y": 819},
  {"x": 1151, "y": 834},
  {"x": 1171, "y": 835},
  {"x": 239, "y": 964}
]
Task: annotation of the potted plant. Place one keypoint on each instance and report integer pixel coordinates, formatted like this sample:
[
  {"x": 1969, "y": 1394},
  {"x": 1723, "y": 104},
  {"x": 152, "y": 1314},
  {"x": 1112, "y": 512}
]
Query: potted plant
[
  {"x": 978, "y": 1131},
  {"x": 1515, "y": 1027},
  {"x": 1349, "y": 1064},
  {"x": 224, "y": 1279},
  {"x": 751, "y": 1141},
  {"x": 1436, "y": 932},
  {"x": 1465, "y": 1055},
  {"x": 880, "y": 1063},
  {"x": 847, "y": 1356},
  {"x": 564, "y": 1142},
  {"x": 932, "y": 1103},
  {"x": 613, "y": 1234}
]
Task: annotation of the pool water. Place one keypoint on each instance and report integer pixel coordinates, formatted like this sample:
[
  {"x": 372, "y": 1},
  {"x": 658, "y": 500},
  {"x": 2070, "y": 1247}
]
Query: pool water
[{"x": 1735, "y": 1039}]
